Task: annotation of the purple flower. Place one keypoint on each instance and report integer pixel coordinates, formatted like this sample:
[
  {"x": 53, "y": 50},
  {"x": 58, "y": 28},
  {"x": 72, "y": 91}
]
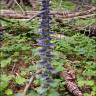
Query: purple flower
[{"x": 44, "y": 42}]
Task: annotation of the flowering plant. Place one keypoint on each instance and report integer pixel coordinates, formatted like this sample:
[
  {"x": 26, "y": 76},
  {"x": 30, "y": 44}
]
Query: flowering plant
[{"x": 46, "y": 47}]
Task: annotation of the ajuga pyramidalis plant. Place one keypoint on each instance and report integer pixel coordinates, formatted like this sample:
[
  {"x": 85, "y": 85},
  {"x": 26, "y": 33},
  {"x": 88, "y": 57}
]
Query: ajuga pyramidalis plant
[
  {"x": 45, "y": 51},
  {"x": 1, "y": 36}
]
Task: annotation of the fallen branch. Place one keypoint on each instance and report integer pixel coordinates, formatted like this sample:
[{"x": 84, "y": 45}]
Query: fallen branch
[
  {"x": 75, "y": 14},
  {"x": 18, "y": 15},
  {"x": 30, "y": 14},
  {"x": 6, "y": 20},
  {"x": 33, "y": 76},
  {"x": 79, "y": 17}
]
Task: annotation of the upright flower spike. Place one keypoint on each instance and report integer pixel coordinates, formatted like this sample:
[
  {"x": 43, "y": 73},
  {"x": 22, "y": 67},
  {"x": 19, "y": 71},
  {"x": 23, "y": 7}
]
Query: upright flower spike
[
  {"x": 46, "y": 47},
  {"x": 1, "y": 36},
  {"x": 44, "y": 41}
]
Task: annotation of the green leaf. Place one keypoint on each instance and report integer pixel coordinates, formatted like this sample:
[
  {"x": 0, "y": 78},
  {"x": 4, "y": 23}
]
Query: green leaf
[
  {"x": 36, "y": 82},
  {"x": 41, "y": 90},
  {"x": 53, "y": 93},
  {"x": 59, "y": 68},
  {"x": 24, "y": 48},
  {"x": 5, "y": 62},
  {"x": 4, "y": 81},
  {"x": 32, "y": 93},
  {"x": 8, "y": 92},
  {"x": 55, "y": 84},
  {"x": 81, "y": 83},
  {"x": 85, "y": 82},
  {"x": 20, "y": 80},
  {"x": 89, "y": 82},
  {"x": 94, "y": 88},
  {"x": 19, "y": 94},
  {"x": 3, "y": 85},
  {"x": 86, "y": 94},
  {"x": 89, "y": 72},
  {"x": 6, "y": 78}
]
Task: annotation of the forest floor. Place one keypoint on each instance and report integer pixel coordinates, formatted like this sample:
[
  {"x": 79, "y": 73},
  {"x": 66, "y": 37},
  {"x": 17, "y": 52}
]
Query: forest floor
[{"x": 74, "y": 53}]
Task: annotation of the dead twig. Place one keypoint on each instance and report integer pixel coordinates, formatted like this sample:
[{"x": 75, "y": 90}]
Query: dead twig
[{"x": 28, "y": 84}]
